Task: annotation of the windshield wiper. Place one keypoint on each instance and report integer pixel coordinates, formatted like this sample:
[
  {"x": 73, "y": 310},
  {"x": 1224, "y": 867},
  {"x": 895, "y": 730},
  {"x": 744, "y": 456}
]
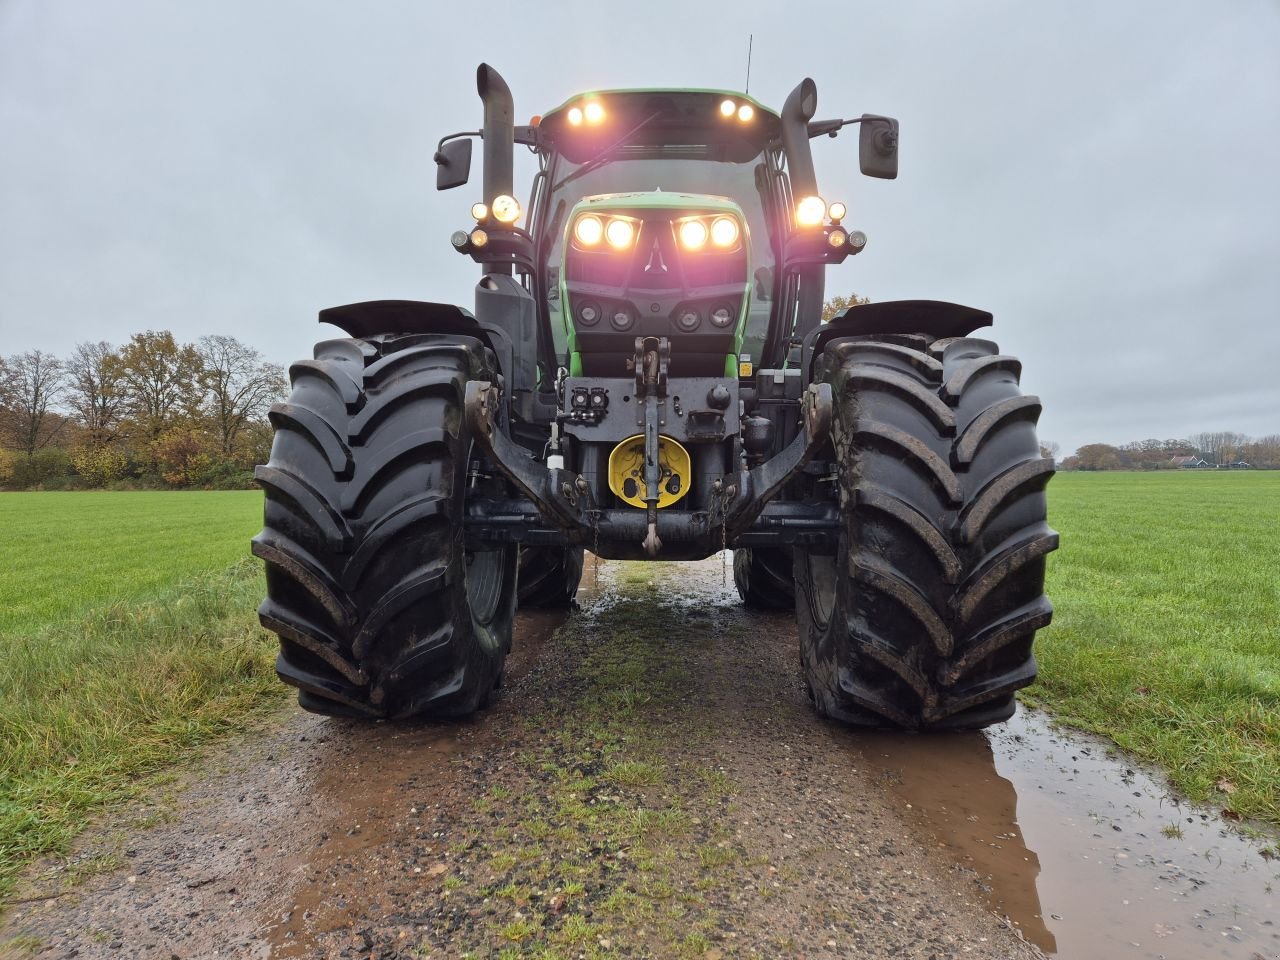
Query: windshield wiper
[{"x": 605, "y": 155}]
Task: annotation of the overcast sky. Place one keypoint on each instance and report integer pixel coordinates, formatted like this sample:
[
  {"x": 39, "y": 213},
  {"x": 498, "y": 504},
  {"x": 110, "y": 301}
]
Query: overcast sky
[{"x": 1104, "y": 177}]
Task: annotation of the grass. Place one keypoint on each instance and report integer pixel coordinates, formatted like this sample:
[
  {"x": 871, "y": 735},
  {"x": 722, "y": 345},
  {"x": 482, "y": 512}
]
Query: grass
[
  {"x": 129, "y": 637},
  {"x": 1166, "y": 635},
  {"x": 66, "y": 553}
]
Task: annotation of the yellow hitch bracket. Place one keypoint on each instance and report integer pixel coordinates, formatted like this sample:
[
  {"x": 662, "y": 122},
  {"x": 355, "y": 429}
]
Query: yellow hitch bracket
[{"x": 626, "y": 471}]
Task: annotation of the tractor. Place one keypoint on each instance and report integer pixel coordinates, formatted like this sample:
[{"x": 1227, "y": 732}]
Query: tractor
[{"x": 646, "y": 374}]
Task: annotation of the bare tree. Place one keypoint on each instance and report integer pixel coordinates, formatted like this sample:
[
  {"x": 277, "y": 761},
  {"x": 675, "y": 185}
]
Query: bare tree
[
  {"x": 32, "y": 381},
  {"x": 240, "y": 386},
  {"x": 95, "y": 389},
  {"x": 1049, "y": 449},
  {"x": 1221, "y": 446}
]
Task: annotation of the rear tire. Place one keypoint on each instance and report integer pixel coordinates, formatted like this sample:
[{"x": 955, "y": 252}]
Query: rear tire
[
  {"x": 380, "y": 609},
  {"x": 925, "y": 615},
  {"x": 549, "y": 576},
  {"x": 764, "y": 579}
]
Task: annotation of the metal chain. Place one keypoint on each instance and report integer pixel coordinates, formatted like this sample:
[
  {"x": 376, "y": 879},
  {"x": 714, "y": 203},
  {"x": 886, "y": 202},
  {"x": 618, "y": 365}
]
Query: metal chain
[{"x": 724, "y": 553}]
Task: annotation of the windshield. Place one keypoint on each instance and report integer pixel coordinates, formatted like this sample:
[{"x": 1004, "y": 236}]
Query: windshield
[{"x": 737, "y": 181}]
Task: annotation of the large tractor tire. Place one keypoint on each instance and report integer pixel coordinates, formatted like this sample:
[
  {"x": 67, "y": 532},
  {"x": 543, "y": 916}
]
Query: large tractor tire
[
  {"x": 764, "y": 579},
  {"x": 925, "y": 615},
  {"x": 380, "y": 608},
  {"x": 549, "y": 576}
]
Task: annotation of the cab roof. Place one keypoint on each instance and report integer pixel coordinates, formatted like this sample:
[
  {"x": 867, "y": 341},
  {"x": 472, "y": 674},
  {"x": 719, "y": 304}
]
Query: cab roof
[{"x": 661, "y": 121}]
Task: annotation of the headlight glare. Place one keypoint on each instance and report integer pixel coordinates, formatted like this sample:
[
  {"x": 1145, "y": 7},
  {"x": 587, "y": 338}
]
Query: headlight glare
[
  {"x": 479, "y": 211},
  {"x": 836, "y": 212},
  {"x": 575, "y": 116},
  {"x": 506, "y": 209},
  {"x": 724, "y": 231},
  {"x": 727, "y": 108},
  {"x": 588, "y": 230},
  {"x": 693, "y": 234},
  {"x": 746, "y": 112},
  {"x": 810, "y": 212},
  {"x": 620, "y": 234},
  {"x": 593, "y": 111}
]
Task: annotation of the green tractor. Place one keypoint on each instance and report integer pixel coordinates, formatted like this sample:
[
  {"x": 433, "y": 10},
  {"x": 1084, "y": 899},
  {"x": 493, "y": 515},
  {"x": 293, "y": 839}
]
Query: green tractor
[{"x": 646, "y": 375}]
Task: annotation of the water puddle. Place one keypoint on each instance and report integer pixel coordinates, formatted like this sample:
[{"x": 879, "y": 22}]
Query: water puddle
[{"x": 1086, "y": 855}]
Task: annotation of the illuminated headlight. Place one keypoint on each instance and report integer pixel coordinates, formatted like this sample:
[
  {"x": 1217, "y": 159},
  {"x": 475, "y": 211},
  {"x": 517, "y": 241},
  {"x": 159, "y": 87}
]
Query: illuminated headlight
[
  {"x": 836, "y": 239},
  {"x": 480, "y": 211},
  {"x": 722, "y": 316},
  {"x": 724, "y": 231},
  {"x": 575, "y": 116},
  {"x": 810, "y": 212},
  {"x": 479, "y": 238},
  {"x": 621, "y": 234},
  {"x": 593, "y": 111},
  {"x": 837, "y": 211},
  {"x": 746, "y": 112},
  {"x": 506, "y": 209},
  {"x": 693, "y": 234},
  {"x": 728, "y": 108},
  {"x": 588, "y": 230}
]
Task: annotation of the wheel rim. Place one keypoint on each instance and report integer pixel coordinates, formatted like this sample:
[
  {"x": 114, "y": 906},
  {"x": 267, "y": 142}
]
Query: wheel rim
[
  {"x": 822, "y": 587},
  {"x": 484, "y": 570}
]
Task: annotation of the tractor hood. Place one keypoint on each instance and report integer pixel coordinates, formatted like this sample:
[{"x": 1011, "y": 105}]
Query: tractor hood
[{"x": 656, "y": 264}]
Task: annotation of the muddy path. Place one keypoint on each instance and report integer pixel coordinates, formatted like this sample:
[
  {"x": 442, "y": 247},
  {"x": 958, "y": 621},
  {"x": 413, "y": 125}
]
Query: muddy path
[{"x": 652, "y": 782}]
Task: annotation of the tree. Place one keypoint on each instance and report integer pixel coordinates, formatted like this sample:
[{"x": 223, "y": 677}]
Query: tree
[
  {"x": 32, "y": 381},
  {"x": 838, "y": 305},
  {"x": 1049, "y": 449},
  {"x": 240, "y": 386},
  {"x": 160, "y": 379},
  {"x": 1220, "y": 447},
  {"x": 95, "y": 391},
  {"x": 1098, "y": 456}
]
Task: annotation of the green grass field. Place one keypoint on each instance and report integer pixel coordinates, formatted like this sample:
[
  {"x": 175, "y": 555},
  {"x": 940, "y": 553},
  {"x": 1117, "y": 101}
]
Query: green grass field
[
  {"x": 1166, "y": 635},
  {"x": 128, "y": 636}
]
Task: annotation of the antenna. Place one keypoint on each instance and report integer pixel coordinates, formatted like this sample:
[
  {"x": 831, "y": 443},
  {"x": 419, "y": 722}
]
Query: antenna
[{"x": 750, "y": 38}]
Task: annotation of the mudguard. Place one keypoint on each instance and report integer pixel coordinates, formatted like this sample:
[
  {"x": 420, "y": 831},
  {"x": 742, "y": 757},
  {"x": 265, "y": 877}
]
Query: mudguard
[
  {"x": 401, "y": 316},
  {"x": 934, "y": 318}
]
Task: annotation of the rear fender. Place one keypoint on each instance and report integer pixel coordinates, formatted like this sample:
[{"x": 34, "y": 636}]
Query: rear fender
[{"x": 933, "y": 318}]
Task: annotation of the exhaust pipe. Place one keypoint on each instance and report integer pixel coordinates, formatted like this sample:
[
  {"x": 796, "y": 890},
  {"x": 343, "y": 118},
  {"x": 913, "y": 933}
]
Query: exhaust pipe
[
  {"x": 499, "y": 142},
  {"x": 801, "y": 105}
]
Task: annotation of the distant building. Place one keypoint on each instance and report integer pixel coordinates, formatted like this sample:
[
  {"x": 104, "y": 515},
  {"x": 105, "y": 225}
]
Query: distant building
[
  {"x": 1238, "y": 465},
  {"x": 1190, "y": 463}
]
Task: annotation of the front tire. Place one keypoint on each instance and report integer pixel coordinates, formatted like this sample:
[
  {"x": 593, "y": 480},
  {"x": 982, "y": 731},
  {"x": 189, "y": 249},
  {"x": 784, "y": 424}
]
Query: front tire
[
  {"x": 924, "y": 617},
  {"x": 763, "y": 577},
  {"x": 380, "y": 608}
]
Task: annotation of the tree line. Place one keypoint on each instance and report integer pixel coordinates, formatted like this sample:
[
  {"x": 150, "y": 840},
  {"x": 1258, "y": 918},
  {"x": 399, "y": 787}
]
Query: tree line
[
  {"x": 1218, "y": 449},
  {"x": 150, "y": 413}
]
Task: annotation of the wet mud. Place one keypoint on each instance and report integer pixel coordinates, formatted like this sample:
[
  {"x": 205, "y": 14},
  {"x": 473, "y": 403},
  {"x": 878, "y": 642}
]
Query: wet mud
[{"x": 323, "y": 838}]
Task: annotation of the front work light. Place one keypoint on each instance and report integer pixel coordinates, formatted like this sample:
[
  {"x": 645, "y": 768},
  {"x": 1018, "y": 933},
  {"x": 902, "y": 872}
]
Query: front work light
[
  {"x": 588, "y": 230},
  {"x": 575, "y": 116},
  {"x": 506, "y": 209},
  {"x": 810, "y": 212},
  {"x": 693, "y": 234},
  {"x": 727, "y": 108},
  {"x": 724, "y": 231},
  {"x": 836, "y": 212},
  {"x": 479, "y": 238},
  {"x": 480, "y": 211},
  {"x": 746, "y": 112},
  {"x": 620, "y": 234},
  {"x": 593, "y": 111}
]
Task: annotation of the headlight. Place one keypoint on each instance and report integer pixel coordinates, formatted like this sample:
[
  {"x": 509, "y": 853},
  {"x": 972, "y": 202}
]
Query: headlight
[
  {"x": 506, "y": 209},
  {"x": 479, "y": 238},
  {"x": 575, "y": 116},
  {"x": 727, "y": 108},
  {"x": 588, "y": 230},
  {"x": 693, "y": 234},
  {"x": 593, "y": 111},
  {"x": 622, "y": 318},
  {"x": 746, "y": 112},
  {"x": 722, "y": 316},
  {"x": 620, "y": 234},
  {"x": 589, "y": 314},
  {"x": 688, "y": 319},
  {"x": 836, "y": 238},
  {"x": 479, "y": 211},
  {"x": 724, "y": 231},
  {"x": 810, "y": 212},
  {"x": 837, "y": 211}
]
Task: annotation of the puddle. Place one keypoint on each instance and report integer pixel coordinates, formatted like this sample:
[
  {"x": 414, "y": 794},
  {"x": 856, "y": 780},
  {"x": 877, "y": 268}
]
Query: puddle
[{"x": 1086, "y": 855}]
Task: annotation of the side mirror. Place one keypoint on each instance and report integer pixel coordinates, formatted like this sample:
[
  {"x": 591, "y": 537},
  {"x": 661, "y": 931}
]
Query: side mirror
[
  {"x": 453, "y": 164},
  {"x": 878, "y": 147}
]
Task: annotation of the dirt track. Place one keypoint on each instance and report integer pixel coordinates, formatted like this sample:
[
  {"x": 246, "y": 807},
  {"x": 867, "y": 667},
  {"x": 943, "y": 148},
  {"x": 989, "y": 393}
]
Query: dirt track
[{"x": 651, "y": 782}]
